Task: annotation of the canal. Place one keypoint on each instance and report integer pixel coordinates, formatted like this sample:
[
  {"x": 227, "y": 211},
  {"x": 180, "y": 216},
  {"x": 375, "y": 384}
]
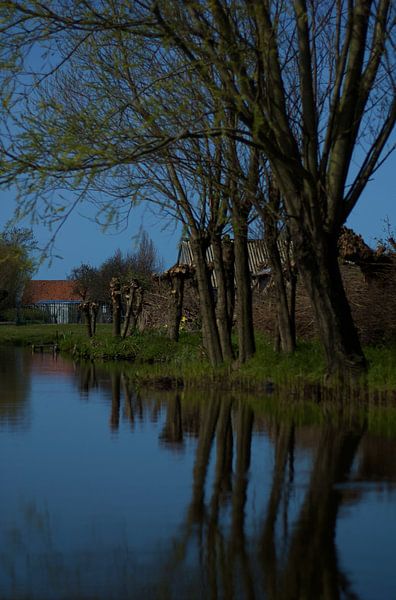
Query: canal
[{"x": 108, "y": 492}]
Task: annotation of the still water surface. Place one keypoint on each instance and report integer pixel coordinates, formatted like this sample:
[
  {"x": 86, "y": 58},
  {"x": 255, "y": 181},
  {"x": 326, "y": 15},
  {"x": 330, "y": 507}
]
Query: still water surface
[{"x": 109, "y": 493}]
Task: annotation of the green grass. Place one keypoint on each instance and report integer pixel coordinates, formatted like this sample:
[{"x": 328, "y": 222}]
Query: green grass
[
  {"x": 25, "y": 335},
  {"x": 382, "y": 366},
  {"x": 154, "y": 356},
  {"x": 145, "y": 348},
  {"x": 306, "y": 364}
]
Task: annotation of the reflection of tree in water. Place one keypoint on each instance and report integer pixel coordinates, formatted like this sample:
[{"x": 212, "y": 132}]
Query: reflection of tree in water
[
  {"x": 294, "y": 556},
  {"x": 133, "y": 405},
  {"x": 310, "y": 567},
  {"x": 234, "y": 566},
  {"x": 115, "y": 401},
  {"x": 126, "y": 403},
  {"x": 172, "y": 433},
  {"x": 87, "y": 379},
  {"x": 14, "y": 387}
]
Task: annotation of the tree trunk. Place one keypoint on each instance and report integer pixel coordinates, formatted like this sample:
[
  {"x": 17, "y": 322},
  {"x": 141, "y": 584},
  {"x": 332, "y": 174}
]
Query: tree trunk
[
  {"x": 277, "y": 337},
  {"x": 229, "y": 269},
  {"x": 85, "y": 307},
  {"x": 222, "y": 314},
  {"x": 130, "y": 292},
  {"x": 115, "y": 290},
  {"x": 244, "y": 310},
  {"x": 284, "y": 322},
  {"x": 176, "y": 308},
  {"x": 137, "y": 308},
  {"x": 210, "y": 333},
  {"x": 292, "y": 300},
  {"x": 319, "y": 268},
  {"x": 94, "y": 316}
]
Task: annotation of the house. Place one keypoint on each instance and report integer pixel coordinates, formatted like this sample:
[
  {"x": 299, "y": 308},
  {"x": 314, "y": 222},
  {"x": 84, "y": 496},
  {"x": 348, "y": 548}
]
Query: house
[{"x": 56, "y": 297}]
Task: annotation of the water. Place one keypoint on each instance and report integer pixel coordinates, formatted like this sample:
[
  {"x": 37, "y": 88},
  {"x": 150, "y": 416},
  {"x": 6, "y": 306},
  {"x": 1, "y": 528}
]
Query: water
[{"x": 108, "y": 493}]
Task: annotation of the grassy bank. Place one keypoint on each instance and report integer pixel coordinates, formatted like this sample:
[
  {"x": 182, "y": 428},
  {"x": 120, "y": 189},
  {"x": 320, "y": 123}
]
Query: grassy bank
[
  {"x": 26, "y": 335},
  {"x": 155, "y": 357}
]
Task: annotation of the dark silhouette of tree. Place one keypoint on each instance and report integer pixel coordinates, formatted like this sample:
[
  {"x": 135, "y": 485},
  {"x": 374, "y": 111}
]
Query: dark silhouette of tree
[
  {"x": 93, "y": 283},
  {"x": 17, "y": 264}
]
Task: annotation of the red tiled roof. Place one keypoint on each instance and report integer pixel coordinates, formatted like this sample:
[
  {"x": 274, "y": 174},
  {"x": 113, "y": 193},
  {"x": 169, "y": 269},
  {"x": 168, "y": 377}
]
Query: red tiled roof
[{"x": 41, "y": 290}]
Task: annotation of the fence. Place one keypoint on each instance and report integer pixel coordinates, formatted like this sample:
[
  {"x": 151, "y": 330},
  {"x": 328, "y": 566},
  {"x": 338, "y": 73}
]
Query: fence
[{"x": 59, "y": 311}]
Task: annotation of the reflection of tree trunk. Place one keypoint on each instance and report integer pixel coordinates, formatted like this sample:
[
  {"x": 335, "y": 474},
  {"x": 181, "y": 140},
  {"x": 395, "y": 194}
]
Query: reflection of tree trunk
[
  {"x": 312, "y": 569},
  {"x": 244, "y": 427},
  {"x": 172, "y": 432},
  {"x": 222, "y": 484},
  {"x": 87, "y": 376},
  {"x": 139, "y": 407},
  {"x": 284, "y": 447},
  {"x": 128, "y": 399},
  {"x": 244, "y": 440},
  {"x": 208, "y": 420},
  {"x": 224, "y": 447},
  {"x": 209, "y": 326},
  {"x": 115, "y": 400},
  {"x": 222, "y": 314},
  {"x": 206, "y": 435}
]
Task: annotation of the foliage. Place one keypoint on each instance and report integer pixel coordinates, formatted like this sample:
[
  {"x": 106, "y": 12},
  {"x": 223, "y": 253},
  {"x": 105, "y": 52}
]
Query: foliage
[{"x": 16, "y": 264}]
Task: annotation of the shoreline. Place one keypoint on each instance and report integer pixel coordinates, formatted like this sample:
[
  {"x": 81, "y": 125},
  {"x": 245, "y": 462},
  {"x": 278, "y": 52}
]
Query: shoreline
[{"x": 157, "y": 361}]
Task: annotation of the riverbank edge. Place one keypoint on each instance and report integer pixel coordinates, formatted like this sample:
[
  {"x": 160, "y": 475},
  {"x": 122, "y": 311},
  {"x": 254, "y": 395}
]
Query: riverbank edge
[{"x": 157, "y": 361}]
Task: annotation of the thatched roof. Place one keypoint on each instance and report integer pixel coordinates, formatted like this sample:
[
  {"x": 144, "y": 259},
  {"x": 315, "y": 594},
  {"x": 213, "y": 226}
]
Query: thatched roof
[{"x": 257, "y": 250}]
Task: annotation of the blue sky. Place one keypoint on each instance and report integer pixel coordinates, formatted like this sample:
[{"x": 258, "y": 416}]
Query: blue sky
[{"x": 82, "y": 240}]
